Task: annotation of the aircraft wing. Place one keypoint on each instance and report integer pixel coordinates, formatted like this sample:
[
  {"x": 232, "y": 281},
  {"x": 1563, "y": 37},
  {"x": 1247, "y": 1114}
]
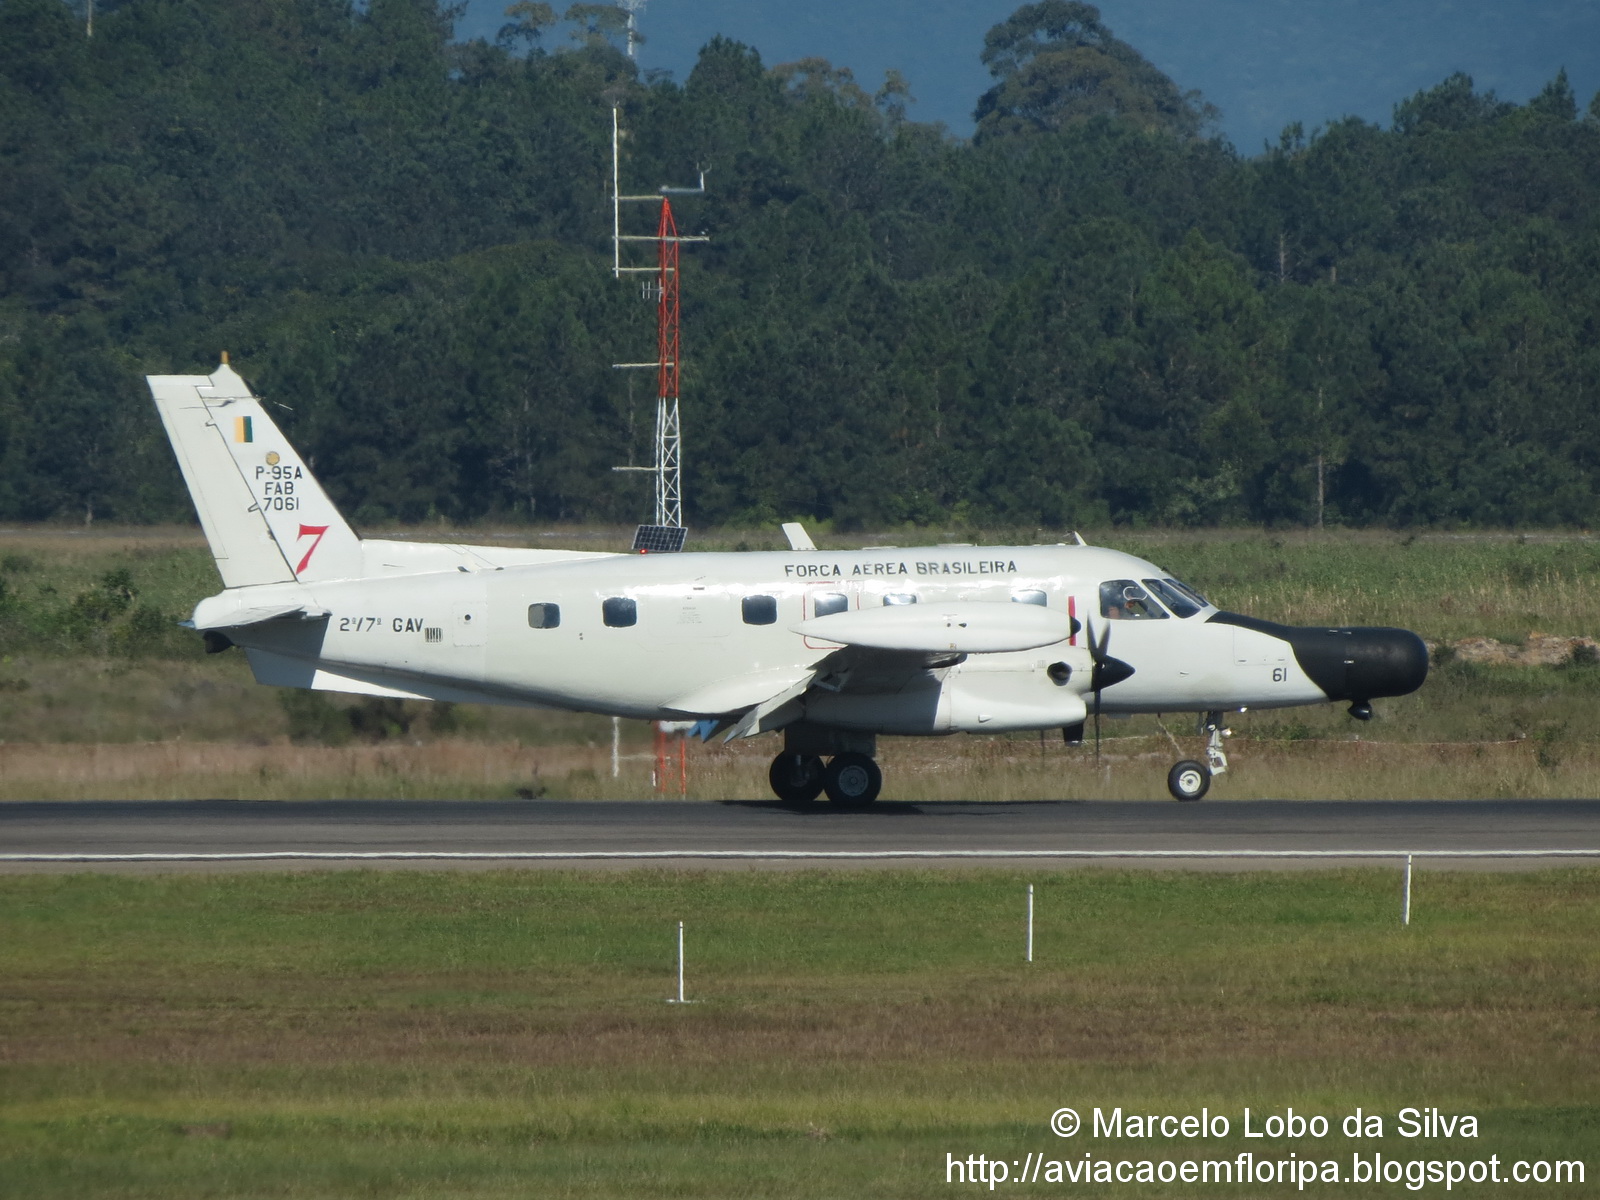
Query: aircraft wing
[
  {"x": 972, "y": 627},
  {"x": 876, "y": 643}
]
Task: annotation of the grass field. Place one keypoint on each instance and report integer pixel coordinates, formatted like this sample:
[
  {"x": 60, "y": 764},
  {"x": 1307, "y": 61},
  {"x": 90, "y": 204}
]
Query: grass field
[{"x": 504, "y": 1034}]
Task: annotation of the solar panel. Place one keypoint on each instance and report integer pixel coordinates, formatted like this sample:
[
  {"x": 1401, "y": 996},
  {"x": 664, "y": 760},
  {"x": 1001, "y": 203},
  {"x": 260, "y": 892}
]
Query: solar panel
[{"x": 659, "y": 539}]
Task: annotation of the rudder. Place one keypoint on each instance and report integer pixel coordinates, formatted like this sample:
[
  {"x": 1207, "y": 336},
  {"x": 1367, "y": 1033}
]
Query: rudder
[{"x": 265, "y": 516}]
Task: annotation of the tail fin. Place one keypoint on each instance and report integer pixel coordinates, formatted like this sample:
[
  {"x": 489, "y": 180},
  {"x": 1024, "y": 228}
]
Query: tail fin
[{"x": 266, "y": 518}]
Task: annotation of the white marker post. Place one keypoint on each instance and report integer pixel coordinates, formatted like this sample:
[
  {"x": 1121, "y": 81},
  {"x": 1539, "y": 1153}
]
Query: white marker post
[
  {"x": 1405, "y": 907},
  {"x": 1030, "y": 922},
  {"x": 679, "y": 999}
]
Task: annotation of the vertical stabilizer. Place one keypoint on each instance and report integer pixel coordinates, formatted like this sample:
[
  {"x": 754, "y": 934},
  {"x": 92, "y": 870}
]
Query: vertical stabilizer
[{"x": 266, "y": 518}]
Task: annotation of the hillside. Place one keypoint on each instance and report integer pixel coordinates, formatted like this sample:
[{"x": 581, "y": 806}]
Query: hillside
[{"x": 1092, "y": 312}]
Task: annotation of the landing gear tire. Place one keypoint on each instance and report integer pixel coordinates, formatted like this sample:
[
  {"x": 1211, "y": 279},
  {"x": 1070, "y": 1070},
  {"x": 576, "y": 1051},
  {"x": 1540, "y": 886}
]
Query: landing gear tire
[
  {"x": 796, "y": 778},
  {"x": 1188, "y": 780},
  {"x": 852, "y": 780}
]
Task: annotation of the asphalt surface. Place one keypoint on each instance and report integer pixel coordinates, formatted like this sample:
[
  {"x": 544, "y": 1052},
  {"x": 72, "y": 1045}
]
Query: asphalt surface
[{"x": 562, "y": 832}]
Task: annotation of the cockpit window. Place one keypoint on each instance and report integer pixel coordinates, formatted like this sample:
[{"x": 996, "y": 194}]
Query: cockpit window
[
  {"x": 1030, "y": 596},
  {"x": 1174, "y": 599},
  {"x": 1189, "y": 592},
  {"x": 1125, "y": 600}
]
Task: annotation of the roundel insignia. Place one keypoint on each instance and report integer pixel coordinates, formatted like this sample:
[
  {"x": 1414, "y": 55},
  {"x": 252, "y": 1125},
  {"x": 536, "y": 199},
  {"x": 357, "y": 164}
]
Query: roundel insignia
[{"x": 272, "y": 458}]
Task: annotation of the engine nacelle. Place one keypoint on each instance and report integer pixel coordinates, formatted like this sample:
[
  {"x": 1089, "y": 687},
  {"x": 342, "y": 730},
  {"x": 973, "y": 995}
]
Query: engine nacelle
[{"x": 968, "y": 699}]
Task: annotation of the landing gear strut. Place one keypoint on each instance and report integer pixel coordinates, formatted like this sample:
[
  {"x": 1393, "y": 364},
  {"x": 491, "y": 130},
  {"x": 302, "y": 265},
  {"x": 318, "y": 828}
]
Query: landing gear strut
[{"x": 1190, "y": 780}]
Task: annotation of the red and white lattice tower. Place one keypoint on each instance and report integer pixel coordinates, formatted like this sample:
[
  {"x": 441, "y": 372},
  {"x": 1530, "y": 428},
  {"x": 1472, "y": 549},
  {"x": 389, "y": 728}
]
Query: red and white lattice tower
[{"x": 668, "y": 464}]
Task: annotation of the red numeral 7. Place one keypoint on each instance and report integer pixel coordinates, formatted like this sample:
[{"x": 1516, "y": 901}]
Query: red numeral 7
[{"x": 310, "y": 531}]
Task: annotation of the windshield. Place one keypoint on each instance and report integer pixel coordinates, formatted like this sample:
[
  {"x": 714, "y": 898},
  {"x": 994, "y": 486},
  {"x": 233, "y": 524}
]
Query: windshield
[
  {"x": 1125, "y": 600},
  {"x": 1189, "y": 592},
  {"x": 1174, "y": 596}
]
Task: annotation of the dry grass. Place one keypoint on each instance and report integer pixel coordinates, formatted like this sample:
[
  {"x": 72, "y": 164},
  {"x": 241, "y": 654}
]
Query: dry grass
[
  {"x": 446, "y": 769},
  {"x": 1132, "y": 768}
]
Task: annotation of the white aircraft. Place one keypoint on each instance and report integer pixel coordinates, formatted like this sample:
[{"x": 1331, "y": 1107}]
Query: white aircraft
[{"x": 831, "y": 648}]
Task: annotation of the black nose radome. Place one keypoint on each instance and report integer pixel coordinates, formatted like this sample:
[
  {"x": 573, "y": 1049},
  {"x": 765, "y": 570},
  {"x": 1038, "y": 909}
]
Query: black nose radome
[{"x": 1355, "y": 663}]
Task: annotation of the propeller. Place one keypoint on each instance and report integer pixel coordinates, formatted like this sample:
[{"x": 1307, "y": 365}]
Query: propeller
[{"x": 1106, "y": 672}]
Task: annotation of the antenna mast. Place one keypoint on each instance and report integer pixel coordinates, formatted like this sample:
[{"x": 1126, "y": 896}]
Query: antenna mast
[
  {"x": 667, "y": 533},
  {"x": 634, "y": 7}
]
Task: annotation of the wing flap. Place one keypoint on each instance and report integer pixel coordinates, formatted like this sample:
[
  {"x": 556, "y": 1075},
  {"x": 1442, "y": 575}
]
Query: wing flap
[
  {"x": 739, "y": 692},
  {"x": 772, "y": 713}
]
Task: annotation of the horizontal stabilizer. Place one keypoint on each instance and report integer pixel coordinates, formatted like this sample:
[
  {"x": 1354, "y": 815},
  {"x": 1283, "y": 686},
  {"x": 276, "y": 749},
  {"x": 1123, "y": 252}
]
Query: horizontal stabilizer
[
  {"x": 220, "y": 612},
  {"x": 972, "y": 627},
  {"x": 283, "y": 670}
]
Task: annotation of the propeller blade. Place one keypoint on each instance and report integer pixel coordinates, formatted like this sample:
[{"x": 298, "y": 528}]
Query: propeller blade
[
  {"x": 1097, "y": 652},
  {"x": 1107, "y": 670}
]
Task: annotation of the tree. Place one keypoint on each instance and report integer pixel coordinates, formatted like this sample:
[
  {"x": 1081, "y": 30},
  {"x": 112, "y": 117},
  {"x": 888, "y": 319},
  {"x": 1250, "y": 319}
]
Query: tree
[
  {"x": 529, "y": 20},
  {"x": 1056, "y": 64},
  {"x": 598, "y": 25},
  {"x": 1556, "y": 100},
  {"x": 1452, "y": 106}
]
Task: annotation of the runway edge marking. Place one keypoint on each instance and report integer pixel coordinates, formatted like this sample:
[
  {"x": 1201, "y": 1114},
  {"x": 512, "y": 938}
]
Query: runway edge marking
[{"x": 776, "y": 855}]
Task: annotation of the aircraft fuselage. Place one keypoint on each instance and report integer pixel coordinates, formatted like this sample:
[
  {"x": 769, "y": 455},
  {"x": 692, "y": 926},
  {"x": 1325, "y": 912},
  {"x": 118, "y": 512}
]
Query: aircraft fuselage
[{"x": 698, "y": 635}]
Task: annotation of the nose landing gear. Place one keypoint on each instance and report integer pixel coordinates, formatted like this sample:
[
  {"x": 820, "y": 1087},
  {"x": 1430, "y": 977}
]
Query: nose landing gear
[{"x": 1190, "y": 780}]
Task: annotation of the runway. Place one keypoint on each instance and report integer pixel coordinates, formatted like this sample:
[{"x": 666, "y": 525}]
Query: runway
[{"x": 230, "y": 834}]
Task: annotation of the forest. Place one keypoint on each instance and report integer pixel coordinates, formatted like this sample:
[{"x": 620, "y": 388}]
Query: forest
[{"x": 1094, "y": 311}]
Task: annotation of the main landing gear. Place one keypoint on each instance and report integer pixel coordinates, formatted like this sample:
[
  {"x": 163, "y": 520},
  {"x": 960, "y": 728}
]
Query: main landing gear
[
  {"x": 1190, "y": 780},
  {"x": 851, "y": 777}
]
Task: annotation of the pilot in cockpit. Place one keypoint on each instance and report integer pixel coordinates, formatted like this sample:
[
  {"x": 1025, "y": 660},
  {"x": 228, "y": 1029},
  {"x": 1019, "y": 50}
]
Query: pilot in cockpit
[{"x": 1125, "y": 600}]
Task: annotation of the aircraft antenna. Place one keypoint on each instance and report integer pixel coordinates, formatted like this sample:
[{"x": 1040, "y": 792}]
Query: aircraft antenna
[{"x": 667, "y": 534}]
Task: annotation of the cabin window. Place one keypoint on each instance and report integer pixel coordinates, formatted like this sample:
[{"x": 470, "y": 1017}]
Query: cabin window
[
  {"x": 544, "y": 616},
  {"x": 759, "y": 610},
  {"x": 1125, "y": 600},
  {"x": 1030, "y": 596},
  {"x": 825, "y": 604},
  {"x": 1179, "y": 603},
  {"x": 900, "y": 598},
  {"x": 619, "y": 611}
]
